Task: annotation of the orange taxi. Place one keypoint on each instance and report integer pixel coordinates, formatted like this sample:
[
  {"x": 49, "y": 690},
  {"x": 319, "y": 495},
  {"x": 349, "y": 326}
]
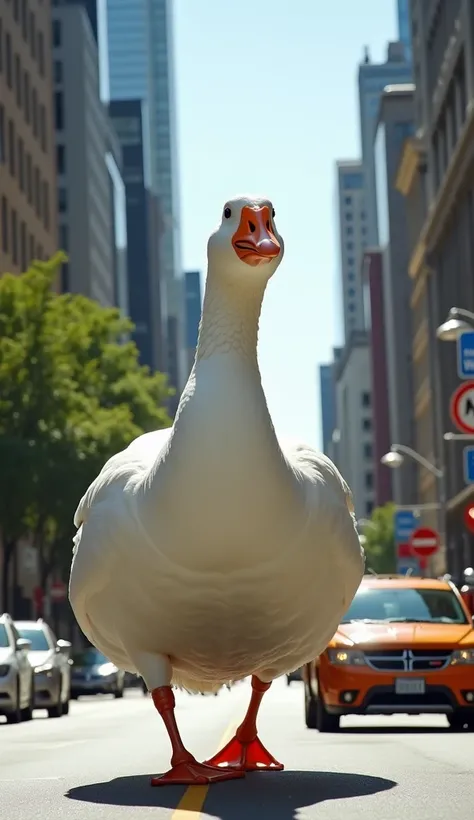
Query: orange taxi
[{"x": 405, "y": 645}]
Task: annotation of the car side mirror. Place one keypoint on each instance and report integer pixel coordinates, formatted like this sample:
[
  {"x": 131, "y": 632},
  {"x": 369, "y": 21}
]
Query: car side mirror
[{"x": 23, "y": 645}]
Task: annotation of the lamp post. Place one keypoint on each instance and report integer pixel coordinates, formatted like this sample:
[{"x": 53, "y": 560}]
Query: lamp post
[
  {"x": 395, "y": 458},
  {"x": 459, "y": 320}
]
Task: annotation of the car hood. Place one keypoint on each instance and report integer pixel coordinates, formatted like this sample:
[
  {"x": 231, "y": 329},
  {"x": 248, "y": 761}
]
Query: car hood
[
  {"x": 5, "y": 654},
  {"x": 40, "y": 658},
  {"x": 393, "y": 634}
]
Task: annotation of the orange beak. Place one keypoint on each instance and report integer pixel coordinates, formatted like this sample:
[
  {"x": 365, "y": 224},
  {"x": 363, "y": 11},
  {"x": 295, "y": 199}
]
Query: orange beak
[{"x": 254, "y": 241}]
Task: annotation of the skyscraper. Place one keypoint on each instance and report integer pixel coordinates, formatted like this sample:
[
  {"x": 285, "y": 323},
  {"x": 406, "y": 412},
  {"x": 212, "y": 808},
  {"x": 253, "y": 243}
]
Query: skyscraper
[
  {"x": 328, "y": 405},
  {"x": 404, "y": 27},
  {"x": 353, "y": 238},
  {"x": 141, "y": 67},
  {"x": 193, "y": 313},
  {"x": 373, "y": 78}
]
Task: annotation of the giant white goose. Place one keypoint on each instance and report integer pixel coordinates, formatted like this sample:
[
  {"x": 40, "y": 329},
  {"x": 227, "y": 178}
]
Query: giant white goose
[{"x": 213, "y": 551}]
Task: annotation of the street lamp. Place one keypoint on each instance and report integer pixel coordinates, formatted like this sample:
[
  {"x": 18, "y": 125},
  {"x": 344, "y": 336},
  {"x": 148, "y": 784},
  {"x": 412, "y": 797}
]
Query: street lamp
[
  {"x": 395, "y": 458},
  {"x": 458, "y": 321}
]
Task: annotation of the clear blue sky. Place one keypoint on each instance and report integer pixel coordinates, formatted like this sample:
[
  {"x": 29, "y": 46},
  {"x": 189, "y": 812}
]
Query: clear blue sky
[{"x": 267, "y": 101}]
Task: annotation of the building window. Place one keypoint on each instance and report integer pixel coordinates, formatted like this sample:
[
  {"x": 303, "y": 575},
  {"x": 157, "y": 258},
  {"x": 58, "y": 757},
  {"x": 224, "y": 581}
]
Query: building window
[
  {"x": 369, "y": 481},
  {"x": 34, "y": 107},
  {"x": 8, "y": 60},
  {"x": 16, "y": 11},
  {"x": 60, "y": 159},
  {"x": 349, "y": 230},
  {"x": 11, "y": 147},
  {"x": 351, "y": 292},
  {"x": 18, "y": 82},
  {"x": 23, "y": 256},
  {"x": 2, "y": 135},
  {"x": 368, "y": 451},
  {"x": 26, "y": 85},
  {"x": 14, "y": 237},
  {"x": 367, "y": 425},
  {"x": 46, "y": 205},
  {"x": 56, "y": 33},
  {"x": 5, "y": 242},
  {"x": 366, "y": 399},
  {"x": 59, "y": 110},
  {"x": 62, "y": 200},
  {"x": 29, "y": 179},
  {"x": 65, "y": 277},
  {"x": 351, "y": 276},
  {"x": 351, "y": 307},
  {"x": 349, "y": 216},
  {"x": 350, "y": 261},
  {"x": 33, "y": 35},
  {"x": 349, "y": 246},
  {"x": 32, "y": 247},
  {"x": 37, "y": 191},
  {"x": 42, "y": 127},
  {"x": 369, "y": 508},
  {"x": 347, "y": 200},
  {"x": 39, "y": 252},
  {"x": 58, "y": 71},
  {"x": 63, "y": 238},
  {"x": 41, "y": 52},
  {"x": 21, "y": 164},
  {"x": 24, "y": 19}
]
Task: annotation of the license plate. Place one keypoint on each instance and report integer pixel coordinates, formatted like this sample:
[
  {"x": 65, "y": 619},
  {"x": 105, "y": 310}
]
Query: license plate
[{"x": 410, "y": 686}]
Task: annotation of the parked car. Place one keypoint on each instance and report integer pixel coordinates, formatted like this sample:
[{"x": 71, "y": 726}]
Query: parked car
[
  {"x": 49, "y": 658},
  {"x": 405, "y": 646},
  {"x": 16, "y": 674},
  {"x": 93, "y": 674}
]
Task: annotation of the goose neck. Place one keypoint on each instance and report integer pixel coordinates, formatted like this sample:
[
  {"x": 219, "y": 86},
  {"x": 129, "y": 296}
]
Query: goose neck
[{"x": 230, "y": 318}]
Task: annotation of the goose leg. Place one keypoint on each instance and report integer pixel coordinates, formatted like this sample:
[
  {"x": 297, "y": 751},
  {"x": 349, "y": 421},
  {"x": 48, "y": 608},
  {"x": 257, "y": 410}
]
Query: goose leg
[
  {"x": 185, "y": 770},
  {"x": 245, "y": 752}
]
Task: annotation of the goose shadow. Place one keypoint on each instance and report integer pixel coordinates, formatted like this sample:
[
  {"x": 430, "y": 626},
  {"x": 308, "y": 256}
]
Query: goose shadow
[{"x": 277, "y": 795}]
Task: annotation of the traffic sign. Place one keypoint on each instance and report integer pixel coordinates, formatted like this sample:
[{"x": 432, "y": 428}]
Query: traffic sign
[
  {"x": 404, "y": 522},
  {"x": 465, "y": 356},
  {"x": 469, "y": 517},
  {"x": 58, "y": 591},
  {"x": 404, "y": 551},
  {"x": 468, "y": 464},
  {"x": 462, "y": 407},
  {"x": 406, "y": 564},
  {"x": 424, "y": 542}
]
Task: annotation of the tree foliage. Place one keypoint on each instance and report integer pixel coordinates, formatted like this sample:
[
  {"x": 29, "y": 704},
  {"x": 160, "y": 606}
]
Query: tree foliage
[
  {"x": 379, "y": 542},
  {"x": 72, "y": 393}
]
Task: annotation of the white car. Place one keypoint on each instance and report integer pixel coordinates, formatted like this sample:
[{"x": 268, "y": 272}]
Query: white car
[
  {"x": 16, "y": 674},
  {"x": 51, "y": 663}
]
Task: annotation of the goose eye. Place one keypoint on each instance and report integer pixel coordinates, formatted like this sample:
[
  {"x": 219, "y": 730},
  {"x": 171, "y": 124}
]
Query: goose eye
[
  {"x": 273, "y": 213},
  {"x": 227, "y": 213}
]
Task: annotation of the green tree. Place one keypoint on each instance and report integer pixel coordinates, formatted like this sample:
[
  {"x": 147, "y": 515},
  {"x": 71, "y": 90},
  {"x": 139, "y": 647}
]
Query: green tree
[
  {"x": 379, "y": 542},
  {"x": 72, "y": 393}
]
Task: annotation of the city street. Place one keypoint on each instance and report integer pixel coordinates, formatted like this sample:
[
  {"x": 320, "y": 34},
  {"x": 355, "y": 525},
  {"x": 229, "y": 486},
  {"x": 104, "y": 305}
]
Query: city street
[{"x": 97, "y": 762}]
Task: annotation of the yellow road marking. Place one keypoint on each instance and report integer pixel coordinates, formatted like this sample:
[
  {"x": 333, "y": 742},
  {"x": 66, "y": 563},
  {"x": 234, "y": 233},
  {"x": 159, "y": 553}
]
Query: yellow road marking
[{"x": 194, "y": 797}]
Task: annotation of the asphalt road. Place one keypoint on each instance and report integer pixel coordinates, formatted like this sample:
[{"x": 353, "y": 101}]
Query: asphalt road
[{"x": 96, "y": 764}]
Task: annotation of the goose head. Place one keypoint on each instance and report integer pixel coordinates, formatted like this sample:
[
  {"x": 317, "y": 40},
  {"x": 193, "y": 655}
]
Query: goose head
[{"x": 246, "y": 247}]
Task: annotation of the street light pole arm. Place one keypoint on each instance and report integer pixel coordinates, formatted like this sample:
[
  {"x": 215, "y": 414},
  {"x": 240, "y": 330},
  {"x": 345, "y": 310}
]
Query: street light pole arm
[
  {"x": 408, "y": 451},
  {"x": 467, "y": 314}
]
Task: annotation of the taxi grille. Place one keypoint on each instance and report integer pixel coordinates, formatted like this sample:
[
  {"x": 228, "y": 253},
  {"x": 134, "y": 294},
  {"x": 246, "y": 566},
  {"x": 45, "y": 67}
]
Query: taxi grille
[{"x": 409, "y": 660}]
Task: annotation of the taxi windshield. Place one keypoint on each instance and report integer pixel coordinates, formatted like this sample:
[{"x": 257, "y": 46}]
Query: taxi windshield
[{"x": 409, "y": 605}]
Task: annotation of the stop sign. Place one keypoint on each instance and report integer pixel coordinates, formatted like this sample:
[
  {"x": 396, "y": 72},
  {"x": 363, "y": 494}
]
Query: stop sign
[{"x": 424, "y": 542}]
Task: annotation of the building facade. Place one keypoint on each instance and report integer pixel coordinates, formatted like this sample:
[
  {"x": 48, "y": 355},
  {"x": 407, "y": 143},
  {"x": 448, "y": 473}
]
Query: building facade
[
  {"x": 87, "y": 229},
  {"x": 437, "y": 176},
  {"x": 28, "y": 227},
  {"x": 327, "y": 395},
  {"x": 373, "y": 77},
  {"x": 141, "y": 66},
  {"x": 395, "y": 124},
  {"x": 354, "y": 439},
  {"x": 404, "y": 27},
  {"x": 144, "y": 227},
  {"x": 193, "y": 313},
  {"x": 372, "y": 275},
  {"x": 352, "y": 240}
]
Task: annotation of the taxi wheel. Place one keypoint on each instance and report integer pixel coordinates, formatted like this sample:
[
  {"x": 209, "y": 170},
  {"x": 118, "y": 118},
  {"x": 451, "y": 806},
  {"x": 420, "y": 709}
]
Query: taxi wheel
[
  {"x": 15, "y": 715},
  {"x": 310, "y": 711},
  {"x": 324, "y": 721}
]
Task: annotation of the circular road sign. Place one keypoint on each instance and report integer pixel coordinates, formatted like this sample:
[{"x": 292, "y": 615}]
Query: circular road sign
[
  {"x": 424, "y": 542},
  {"x": 462, "y": 407}
]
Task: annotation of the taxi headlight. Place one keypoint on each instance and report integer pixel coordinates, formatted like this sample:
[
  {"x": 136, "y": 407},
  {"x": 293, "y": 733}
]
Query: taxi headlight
[
  {"x": 4, "y": 670},
  {"x": 462, "y": 656},
  {"x": 346, "y": 657}
]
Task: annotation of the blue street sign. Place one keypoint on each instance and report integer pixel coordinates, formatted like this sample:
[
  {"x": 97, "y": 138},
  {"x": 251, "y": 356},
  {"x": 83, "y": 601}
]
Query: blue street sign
[
  {"x": 406, "y": 564},
  {"x": 405, "y": 522},
  {"x": 465, "y": 355},
  {"x": 468, "y": 464}
]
